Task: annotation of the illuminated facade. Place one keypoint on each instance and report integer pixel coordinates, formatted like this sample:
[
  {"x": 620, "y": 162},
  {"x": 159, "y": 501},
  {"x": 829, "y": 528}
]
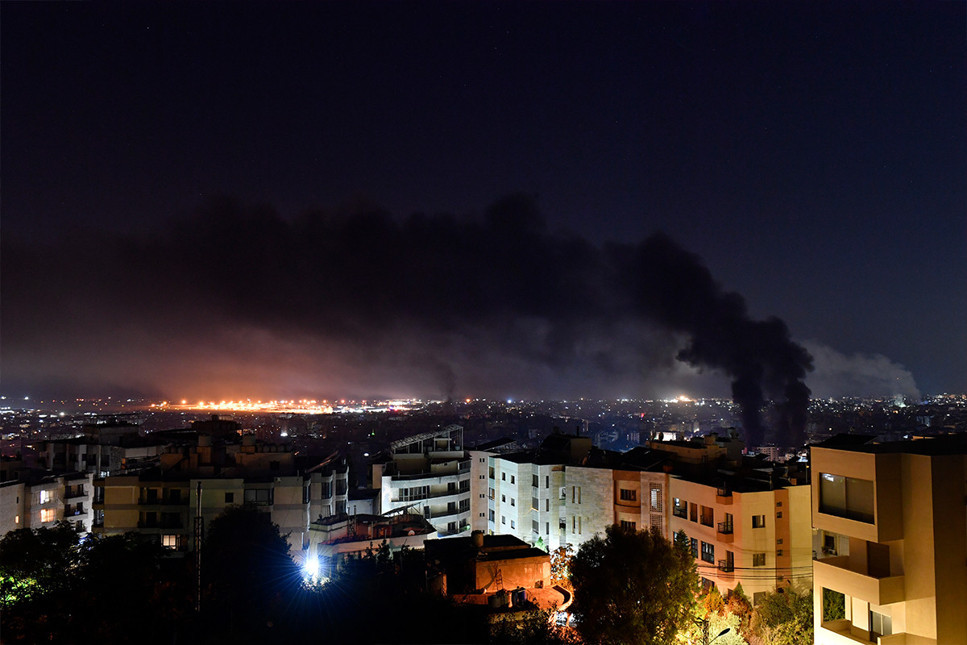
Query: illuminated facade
[
  {"x": 40, "y": 502},
  {"x": 566, "y": 492},
  {"x": 894, "y": 568},
  {"x": 749, "y": 530},
  {"x": 432, "y": 473}
]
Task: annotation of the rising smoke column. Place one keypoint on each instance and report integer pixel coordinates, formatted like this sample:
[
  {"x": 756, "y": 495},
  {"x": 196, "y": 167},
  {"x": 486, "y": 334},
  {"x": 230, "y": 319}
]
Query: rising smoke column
[
  {"x": 356, "y": 295},
  {"x": 673, "y": 286}
]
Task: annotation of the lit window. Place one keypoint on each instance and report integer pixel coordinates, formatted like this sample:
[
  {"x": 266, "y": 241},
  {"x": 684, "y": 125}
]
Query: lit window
[
  {"x": 44, "y": 496},
  {"x": 16, "y": 519},
  {"x": 169, "y": 541},
  {"x": 47, "y": 515}
]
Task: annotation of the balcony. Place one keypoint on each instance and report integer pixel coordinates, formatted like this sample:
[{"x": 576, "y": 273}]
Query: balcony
[
  {"x": 726, "y": 569},
  {"x": 447, "y": 515},
  {"x": 680, "y": 512},
  {"x": 723, "y": 532},
  {"x": 834, "y": 573},
  {"x": 438, "y": 498},
  {"x": 723, "y": 496}
]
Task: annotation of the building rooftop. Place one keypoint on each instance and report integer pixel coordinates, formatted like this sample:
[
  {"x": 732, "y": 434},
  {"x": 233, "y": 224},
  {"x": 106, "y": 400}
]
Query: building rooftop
[{"x": 947, "y": 444}]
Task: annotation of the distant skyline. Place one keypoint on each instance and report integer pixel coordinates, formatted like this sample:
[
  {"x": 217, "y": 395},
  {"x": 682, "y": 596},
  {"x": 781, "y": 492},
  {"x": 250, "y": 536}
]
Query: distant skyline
[{"x": 171, "y": 175}]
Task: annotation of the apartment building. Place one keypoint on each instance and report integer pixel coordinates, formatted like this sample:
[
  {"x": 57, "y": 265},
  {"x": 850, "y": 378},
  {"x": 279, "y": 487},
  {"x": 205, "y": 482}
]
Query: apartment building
[
  {"x": 524, "y": 496},
  {"x": 566, "y": 492},
  {"x": 894, "y": 563},
  {"x": 750, "y": 527},
  {"x": 205, "y": 479},
  {"x": 39, "y": 501},
  {"x": 431, "y": 472}
]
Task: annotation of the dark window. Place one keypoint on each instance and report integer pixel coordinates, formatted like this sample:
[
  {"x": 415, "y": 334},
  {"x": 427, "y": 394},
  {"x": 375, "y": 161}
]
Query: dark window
[
  {"x": 693, "y": 544},
  {"x": 229, "y": 498},
  {"x": 758, "y": 559},
  {"x": 758, "y": 521},
  {"x": 535, "y": 481},
  {"x": 258, "y": 496},
  {"x": 708, "y": 516},
  {"x": 846, "y": 497},
  {"x": 708, "y": 552},
  {"x": 628, "y": 495},
  {"x": 625, "y": 524}
]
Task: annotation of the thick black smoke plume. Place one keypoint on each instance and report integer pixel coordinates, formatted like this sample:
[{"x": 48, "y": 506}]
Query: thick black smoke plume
[
  {"x": 240, "y": 298},
  {"x": 674, "y": 287}
]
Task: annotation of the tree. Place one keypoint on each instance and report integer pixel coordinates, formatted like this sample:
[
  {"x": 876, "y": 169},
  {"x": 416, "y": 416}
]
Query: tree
[
  {"x": 738, "y": 604},
  {"x": 712, "y": 623},
  {"x": 116, "y": 589},
  {"x": 561, "y": 559},
  {"x": 247, "y": 574},
  {"x": 785, "y": 617},
  {"x": 38, "y": 572},
  {"x": 632, "y": 586}
]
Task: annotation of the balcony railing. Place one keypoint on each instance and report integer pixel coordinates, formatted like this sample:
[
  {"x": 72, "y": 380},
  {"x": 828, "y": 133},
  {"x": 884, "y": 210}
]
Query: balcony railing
[
  {"x": 680, "y": 512},
  {"x": 725, "y": 528},
  {"x": 725, "y": 566}
]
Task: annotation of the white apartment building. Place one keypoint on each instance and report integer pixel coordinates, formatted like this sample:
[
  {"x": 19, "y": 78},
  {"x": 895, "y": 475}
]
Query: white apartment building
[
  {"x": 432, "y": 473},
  {"x": 43, "y": 501}
]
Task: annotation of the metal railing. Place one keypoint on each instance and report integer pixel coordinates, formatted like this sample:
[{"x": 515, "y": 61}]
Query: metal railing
[{"x": 725, "y": 527}]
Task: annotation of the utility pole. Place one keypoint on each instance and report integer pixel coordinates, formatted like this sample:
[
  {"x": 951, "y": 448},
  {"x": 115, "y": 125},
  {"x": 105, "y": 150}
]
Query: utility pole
[{"x": 199, "y": 528}]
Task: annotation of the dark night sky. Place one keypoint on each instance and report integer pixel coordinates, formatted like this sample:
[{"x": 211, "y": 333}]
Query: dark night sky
[{"x": 211, "y": 200}]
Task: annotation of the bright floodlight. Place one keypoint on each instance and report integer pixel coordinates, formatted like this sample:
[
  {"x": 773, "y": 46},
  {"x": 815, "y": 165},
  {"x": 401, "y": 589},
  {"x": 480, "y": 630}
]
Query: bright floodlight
[{"x": 311, "y": 566}]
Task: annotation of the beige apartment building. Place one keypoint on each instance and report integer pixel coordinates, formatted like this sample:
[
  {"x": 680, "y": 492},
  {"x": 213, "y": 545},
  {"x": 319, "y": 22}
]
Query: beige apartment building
[
  {"x": 893, "y": 515},
  {"x": 749, "y": 530}
]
